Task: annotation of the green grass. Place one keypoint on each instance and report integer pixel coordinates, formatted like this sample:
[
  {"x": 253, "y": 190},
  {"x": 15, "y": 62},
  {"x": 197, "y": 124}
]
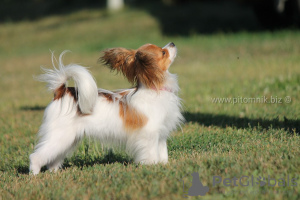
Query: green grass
[{"x": 255, "y": 139}]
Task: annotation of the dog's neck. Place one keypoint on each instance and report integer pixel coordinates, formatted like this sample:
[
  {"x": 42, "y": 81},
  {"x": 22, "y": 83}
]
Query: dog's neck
[
  {"x": 163, "y": 89},
  {"x": 170, "y": 84}
]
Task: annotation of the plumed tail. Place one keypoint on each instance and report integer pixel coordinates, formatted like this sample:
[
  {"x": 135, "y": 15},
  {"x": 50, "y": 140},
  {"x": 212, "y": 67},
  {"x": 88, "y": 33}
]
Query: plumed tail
[{"x": 85, "y": 84}]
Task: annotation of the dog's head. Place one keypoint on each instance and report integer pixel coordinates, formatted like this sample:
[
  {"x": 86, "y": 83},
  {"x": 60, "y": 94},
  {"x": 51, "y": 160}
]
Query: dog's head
[{"x": 146, "y": 65}]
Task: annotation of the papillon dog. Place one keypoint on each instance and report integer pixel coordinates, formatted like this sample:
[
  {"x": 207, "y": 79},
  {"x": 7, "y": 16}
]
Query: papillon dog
[{"x": 139, "y": 119}]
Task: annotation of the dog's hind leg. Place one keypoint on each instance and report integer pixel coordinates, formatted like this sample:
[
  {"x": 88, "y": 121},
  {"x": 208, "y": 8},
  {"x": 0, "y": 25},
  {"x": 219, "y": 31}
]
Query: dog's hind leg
[
  {"x": 57, "y": 136},
  {"x": 58, "y": 162},
  {"x": 52, "y": 150}
]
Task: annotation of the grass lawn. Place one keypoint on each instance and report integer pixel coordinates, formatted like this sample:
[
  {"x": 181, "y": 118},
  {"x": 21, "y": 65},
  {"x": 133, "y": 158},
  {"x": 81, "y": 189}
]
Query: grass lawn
[{"x": 229, "y": 140}]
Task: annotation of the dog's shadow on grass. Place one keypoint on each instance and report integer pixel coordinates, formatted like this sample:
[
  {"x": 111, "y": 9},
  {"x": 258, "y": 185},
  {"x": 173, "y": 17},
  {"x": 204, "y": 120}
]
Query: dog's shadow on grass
[
  {"x": 88, "y": 161},
  {"x": 22, "y": 169},
  {"x": 32, "y": 108},
  {"x": 84, "y": 161},
  {"x": 206, "y": 119}
]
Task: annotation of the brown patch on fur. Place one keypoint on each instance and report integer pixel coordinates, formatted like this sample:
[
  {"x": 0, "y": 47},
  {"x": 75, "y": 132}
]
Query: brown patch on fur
[
  {"x": 160, "y": 56},
  {"x": 132, "y": 119},
  {"x": 62, "y": 90},
  {"x": 116, "y": 96},
  {"x": 72, "y": 91},
  {"x": 59, "y": 92},
  {"x": 124, "y": 93},
  {"x": 108, "y": 96}
]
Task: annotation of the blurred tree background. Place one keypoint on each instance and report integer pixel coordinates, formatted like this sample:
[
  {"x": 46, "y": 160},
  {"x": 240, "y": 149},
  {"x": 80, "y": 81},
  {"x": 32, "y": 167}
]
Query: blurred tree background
[
  {"x": 14, "y": 10},
  {"x": 177, "y": 17}
]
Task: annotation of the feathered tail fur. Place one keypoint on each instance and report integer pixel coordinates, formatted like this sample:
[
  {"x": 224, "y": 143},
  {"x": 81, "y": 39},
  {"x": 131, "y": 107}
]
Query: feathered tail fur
[{"x": 85, "y": 84}]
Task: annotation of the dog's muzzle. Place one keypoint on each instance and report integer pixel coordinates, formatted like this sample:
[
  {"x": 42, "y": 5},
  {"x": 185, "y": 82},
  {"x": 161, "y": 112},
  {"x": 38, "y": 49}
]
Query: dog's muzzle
[
  {"x": 171, "y": 44},
  {"x": 172, "y": 50}
]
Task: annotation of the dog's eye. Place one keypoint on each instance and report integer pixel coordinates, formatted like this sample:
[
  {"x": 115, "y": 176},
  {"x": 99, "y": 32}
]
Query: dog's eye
[{"x": 163, "y": 53}]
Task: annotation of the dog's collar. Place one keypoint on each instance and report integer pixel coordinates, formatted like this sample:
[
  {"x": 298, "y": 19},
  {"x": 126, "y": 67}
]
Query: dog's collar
[
  {"x": 163, "y": 89},
  {"x": 166, "y": 89}
]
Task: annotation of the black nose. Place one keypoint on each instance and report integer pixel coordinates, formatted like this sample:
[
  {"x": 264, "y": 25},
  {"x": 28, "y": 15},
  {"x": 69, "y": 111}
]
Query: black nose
[{"x": 172, "y": 44}]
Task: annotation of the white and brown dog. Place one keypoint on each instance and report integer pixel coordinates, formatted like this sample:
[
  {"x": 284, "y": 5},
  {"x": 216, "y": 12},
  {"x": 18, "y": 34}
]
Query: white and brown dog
[{"x": 139, "y": 119}]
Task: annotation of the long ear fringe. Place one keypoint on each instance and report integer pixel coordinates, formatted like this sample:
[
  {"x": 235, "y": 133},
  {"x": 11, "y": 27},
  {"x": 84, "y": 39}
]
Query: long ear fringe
[
  {"x": 136, "y": 66},
  {"x": 147, "y": 70},
  {"x": 120, "y": 60}
]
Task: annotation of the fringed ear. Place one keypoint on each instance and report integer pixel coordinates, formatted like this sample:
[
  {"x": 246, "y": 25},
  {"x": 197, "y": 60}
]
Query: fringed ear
[
  {"x": 122, "y": 60},
  {"x": 147, "y": 70}
]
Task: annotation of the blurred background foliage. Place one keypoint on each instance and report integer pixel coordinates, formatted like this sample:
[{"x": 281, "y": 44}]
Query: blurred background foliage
[{"x": 176, "y": 17}]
